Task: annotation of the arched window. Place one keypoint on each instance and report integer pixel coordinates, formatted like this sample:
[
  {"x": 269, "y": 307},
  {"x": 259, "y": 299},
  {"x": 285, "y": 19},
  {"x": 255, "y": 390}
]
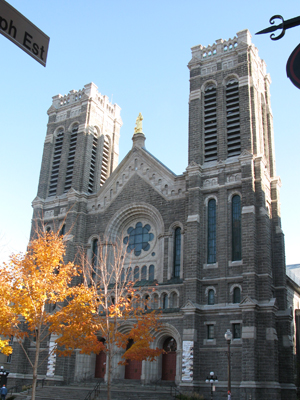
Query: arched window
[
  {"x": 236, "y": 295},
  {"x": 93, "y": 162},
  {"x": 173, "y": 300},
  {"x": 236, "y": 229},
  {"x": 129, "y": 274},
  {"x": 233, "y": 118},
  {"x": 165, "y": 301},
  {"x": 105, "y": 161},
  {"x": 210, "y": 124},
  {"x": 136, "y": 274},
  {"x": 144, "y": 273},
  {"x": 146, "y": 302},
  {"x": 62, "y": 230},
  {"x": 211, "y": 232},
  {"x": 94, "y": 257},
  {"x": 155, "y": 302},
  {"x": 56, "y": 162},
  {"x": 151, "y": 273},
  {"x": 211, "y": 297},
  {"x": 123, "y": 275},
  {"x": 177, "y": 252},
  {"x": 71, "y": 158}
]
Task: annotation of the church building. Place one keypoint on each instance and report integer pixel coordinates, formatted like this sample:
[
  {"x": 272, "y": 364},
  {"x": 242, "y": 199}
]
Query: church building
[{"x": 207, "y": 245}]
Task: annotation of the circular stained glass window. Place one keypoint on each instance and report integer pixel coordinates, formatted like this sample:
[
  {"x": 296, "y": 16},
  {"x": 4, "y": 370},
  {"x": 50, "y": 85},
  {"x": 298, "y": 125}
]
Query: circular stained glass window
[{"x": 138, "y": 238}]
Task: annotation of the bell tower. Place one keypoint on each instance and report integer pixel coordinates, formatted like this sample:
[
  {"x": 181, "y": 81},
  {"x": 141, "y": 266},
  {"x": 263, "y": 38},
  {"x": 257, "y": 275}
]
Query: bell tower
[
  {"x": 82, "y": 143},
  {"x": 234, "y": 193}
]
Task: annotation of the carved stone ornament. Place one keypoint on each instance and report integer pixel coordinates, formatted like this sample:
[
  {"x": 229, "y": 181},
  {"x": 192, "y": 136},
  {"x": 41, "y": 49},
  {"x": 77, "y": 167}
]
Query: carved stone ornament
[{"x": 210, "y": 182}]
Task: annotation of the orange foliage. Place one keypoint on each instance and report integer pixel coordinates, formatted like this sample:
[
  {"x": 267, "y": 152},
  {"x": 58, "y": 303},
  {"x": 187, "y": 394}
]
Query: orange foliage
[{"x": 30, "y": 286}]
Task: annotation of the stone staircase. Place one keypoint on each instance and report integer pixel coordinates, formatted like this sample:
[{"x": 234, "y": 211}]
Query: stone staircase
[{"x": 122, "y": 390}]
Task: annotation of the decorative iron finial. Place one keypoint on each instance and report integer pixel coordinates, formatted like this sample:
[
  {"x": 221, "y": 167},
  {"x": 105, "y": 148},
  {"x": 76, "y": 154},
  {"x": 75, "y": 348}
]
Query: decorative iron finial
[
  {"x": 139, "y": 124},
  {"x": 290, "y": 23}
]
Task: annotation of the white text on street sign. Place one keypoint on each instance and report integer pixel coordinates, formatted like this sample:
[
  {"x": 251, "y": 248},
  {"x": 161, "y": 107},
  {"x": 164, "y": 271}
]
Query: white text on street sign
[{"x": 23, "y": 33}]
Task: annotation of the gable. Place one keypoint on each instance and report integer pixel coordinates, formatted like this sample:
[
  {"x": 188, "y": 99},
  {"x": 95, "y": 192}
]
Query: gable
[{"x": 139, "y": 163}]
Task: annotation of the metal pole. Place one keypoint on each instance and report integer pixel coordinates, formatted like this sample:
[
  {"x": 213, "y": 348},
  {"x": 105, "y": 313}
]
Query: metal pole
[
  {"x": 229, "y": 372},
  {"x": 211, "y": 391}
]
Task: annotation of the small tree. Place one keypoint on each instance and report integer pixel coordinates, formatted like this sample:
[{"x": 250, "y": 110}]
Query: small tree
[
  {"x": 31, "y": 287},
  {"x": 108, "y": 301}
]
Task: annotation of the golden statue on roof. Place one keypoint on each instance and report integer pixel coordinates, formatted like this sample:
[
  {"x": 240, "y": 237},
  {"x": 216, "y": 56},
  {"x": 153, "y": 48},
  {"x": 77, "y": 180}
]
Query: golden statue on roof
[{"x": 139, "y": 124}]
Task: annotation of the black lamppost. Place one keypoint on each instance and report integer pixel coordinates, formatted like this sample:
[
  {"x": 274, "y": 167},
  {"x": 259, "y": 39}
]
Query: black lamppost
[
  {"x": 228, "y": 337},
  {"x": 3, "y": 376},
  {"x": 211, "y": 379}
]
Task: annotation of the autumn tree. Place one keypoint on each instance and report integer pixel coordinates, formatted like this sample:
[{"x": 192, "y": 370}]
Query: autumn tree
[
  {"x": 108, "y": 301},
  {"x": 33, "y": 288}
]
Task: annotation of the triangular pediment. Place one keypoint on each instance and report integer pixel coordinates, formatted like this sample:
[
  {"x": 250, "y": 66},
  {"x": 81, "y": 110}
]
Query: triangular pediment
[
  {"x": 190, "y": 306},
  {"x": 139, "y": 162},
  {"x": 247, "y": 301}
]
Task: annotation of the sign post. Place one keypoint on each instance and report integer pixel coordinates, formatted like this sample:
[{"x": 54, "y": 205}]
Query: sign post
[{"x": 23, "y": 33}]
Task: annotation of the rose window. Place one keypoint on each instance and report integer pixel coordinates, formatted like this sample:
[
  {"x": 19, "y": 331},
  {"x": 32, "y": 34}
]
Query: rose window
[{"x": 138, "y": 238}]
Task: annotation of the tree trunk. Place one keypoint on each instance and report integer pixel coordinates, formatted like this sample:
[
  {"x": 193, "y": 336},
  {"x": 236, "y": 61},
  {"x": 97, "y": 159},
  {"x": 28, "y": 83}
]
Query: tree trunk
[
  {"x": 109, "y": 374},
  {"x": 35, "y": 367}
]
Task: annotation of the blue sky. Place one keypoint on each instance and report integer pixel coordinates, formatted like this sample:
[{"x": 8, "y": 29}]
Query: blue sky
[{"x": 136, "y": 52}]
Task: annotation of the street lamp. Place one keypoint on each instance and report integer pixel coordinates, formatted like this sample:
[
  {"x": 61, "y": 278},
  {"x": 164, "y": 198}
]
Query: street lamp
[
  {"x": 211, "y": 379},
  {"x": 3, "y": 376},
  {"x": 228, "y": 337}
]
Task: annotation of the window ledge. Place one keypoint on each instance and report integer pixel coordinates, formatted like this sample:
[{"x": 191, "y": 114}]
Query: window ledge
[
  {"x": 237, "y": 341},
  {"x": 210, "y": 266},
  {"x": 209, "y": 342},
  {"x": 235, "y": 263}
]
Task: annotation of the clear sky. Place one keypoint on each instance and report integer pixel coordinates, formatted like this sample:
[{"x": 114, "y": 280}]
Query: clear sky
[{"x": 136, "y": 52}]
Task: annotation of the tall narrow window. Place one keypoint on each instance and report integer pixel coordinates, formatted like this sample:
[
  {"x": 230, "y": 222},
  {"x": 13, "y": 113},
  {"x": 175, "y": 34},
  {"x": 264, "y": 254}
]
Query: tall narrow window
[
  {"x": 144, "y": 273},
  {"x": 211, "y": 297},
  {"x": 129, "y": 274},
  {"x": 62, "y": 230},
  {"x": 151, "y": 272},
  {"x": 233, "y": 118},
  {"x": 165, "y": 301},
  {"x": 71, "y": 158},
  {"x": 105, "y": 162},
  {"x": 94, "y": 257},
  {"x": 211, "y": 232},
  {"x": 93, "y": 164},
  {"x": 236, "y": 295},
  {"x": 177, "y": 252},
  {"x": 236, "y": 229},
  {"x": 136, "y": 273},
  {"x": 56, "y": 162},
  {"x": 210, "y": 124},
  {"x": 236, "y": 331}
]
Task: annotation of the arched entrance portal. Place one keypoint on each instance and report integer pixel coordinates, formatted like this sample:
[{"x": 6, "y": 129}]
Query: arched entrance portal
[
  {"x": 100, "y": 367},
  {"x": 168, "y": 372},
  {"x": 133, "y": 368}
]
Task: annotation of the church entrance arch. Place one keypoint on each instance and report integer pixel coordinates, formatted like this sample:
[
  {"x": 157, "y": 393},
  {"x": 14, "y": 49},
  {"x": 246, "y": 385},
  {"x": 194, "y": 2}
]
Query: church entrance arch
[
  {"x": 133, "y": 368},
  {"x": 100, "y": 366},
  {"x": 168, "y": 372}
]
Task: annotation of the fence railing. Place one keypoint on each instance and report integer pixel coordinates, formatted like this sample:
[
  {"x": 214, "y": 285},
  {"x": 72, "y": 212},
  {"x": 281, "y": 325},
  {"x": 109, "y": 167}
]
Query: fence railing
[
  {"x": 95, "y": 392},
  {"x": 175, "y": 392},
  {"x": 22, "y": 388}
]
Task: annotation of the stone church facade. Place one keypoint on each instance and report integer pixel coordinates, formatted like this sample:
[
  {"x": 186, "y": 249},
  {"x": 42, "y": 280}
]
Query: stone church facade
[{"x": 212, "y": 255}]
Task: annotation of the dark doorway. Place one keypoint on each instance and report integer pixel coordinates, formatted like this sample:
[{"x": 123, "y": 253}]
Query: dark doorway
[
  {"x": 133, "y": 368},
  {"x": 168, "y": 372},
  {"x": 100, "y": 367}
]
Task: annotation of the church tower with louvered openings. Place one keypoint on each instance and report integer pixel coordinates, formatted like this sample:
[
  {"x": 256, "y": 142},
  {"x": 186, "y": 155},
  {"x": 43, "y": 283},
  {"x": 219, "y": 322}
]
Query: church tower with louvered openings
[
  {"x": 234, "y": 222},
  {"x": 81, "y": 146},
  {"x": 206, "y": 246}
]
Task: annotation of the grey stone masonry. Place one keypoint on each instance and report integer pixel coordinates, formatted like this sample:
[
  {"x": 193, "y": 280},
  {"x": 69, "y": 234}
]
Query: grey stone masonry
[{"x": 226, "y": 204}]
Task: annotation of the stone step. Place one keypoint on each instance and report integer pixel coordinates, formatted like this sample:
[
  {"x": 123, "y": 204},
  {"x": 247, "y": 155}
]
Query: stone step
[{"x": 119, "y": 391}]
